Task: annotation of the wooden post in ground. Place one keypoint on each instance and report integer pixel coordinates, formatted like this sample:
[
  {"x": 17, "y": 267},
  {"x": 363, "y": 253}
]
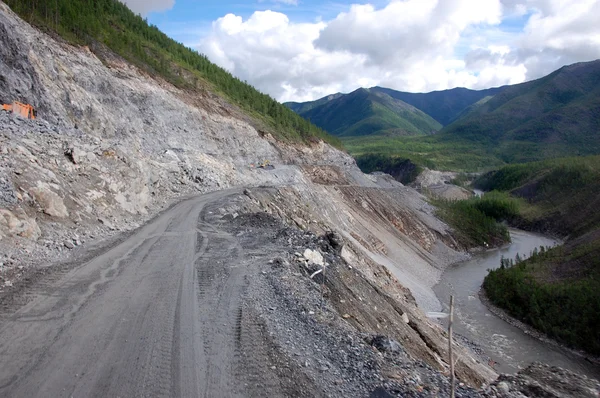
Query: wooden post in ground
[{"x": 451, "y": 359}]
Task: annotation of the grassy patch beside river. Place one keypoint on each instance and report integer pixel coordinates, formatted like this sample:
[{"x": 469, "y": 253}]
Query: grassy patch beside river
[{"x": 477, "y": 220}]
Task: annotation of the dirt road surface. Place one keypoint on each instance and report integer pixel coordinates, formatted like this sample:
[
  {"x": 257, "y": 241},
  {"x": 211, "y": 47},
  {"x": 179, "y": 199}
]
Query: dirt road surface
[{"x": 157, "y": 315}]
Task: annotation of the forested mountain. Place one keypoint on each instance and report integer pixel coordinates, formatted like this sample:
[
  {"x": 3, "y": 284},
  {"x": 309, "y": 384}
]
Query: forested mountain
[
  {"x": 365, "y": 112},
  {"x": 556, "y": 115},
  {"x": 444, "y": 106},
  {"x": 110, "y": 23},
  {"x": 303, "y": 107}
]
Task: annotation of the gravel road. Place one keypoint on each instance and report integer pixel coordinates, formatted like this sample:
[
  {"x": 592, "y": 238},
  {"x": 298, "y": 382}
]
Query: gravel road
[{"x": 157, "y": 315}]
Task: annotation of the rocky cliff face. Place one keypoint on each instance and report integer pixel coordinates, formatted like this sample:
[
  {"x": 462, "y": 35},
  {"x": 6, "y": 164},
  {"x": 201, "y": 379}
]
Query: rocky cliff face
[{"x": 112, "y": 147}]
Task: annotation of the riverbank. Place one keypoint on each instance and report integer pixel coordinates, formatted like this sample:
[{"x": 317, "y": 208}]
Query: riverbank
[
  {"x": 508, "y": 347},
  {"x": 531, "y": 331}
]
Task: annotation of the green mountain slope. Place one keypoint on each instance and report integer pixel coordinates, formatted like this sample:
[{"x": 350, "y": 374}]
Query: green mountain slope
[
  {"x": 303, "y": 107},
  {"x": 555, "y": 116},
  {"x": 558, "y": 290},
  {"x": 102, "y": 24},
  {"x": 564, "y": 193},
  {"x": 550, "y": 117},
  {"x": 444, "y": 106},
  {"x": 366, "y": 113}
]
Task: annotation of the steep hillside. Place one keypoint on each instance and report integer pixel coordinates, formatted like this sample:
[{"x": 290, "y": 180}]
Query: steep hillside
[
  {"x": 444, "y": 106},
  {"x": 550, "y": 117},
  {"x": 205, "y": 294},
  {"x": 115, "y": 146},
  {"x": 366, "y": 113},
  {"x": 110, "y": 23}
]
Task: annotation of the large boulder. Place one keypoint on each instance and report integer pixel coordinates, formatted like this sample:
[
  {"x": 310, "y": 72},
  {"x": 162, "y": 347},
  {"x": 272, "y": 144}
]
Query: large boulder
[
  {"x": 51, "y": 203},
  {"x": 18, "y": 224}
]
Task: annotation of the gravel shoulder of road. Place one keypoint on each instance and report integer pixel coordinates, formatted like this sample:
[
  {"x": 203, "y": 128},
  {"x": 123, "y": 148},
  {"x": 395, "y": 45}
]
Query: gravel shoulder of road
[{"x": 308, "y": 337}]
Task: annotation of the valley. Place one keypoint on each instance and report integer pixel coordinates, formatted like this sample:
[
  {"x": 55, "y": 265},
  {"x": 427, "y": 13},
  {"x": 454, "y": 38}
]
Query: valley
[
  {"x": 555, "y": 116},
  {"x": 168, "y": 230}
]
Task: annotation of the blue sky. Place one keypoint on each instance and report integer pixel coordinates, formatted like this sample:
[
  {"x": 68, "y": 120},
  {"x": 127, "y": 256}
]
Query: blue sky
[
  {"x": 306, "y": 49},
  {"x": 189, "y": 20}
]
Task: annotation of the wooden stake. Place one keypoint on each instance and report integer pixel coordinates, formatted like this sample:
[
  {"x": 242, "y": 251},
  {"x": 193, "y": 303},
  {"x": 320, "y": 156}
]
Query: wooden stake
[{"x": 450, "y": 347}]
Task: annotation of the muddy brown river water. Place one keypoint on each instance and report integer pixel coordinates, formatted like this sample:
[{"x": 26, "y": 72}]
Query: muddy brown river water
[{"x": 509, "y": 347}]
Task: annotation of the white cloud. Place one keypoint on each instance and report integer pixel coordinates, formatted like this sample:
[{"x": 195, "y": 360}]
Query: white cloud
[
  {"x": 560, "y": 33},
  {"x": 412, "y": 45},
  {"x": 143, "y": 7}
]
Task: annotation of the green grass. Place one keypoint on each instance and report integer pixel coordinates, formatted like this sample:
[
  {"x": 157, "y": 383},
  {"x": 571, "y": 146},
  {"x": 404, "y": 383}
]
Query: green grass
[
  {"x": 110, "y": 23},
  {"x": 477, "y": 220}
]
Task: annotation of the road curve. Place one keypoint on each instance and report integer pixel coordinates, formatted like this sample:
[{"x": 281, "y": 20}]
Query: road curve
[{"x": 157, "y": 315}]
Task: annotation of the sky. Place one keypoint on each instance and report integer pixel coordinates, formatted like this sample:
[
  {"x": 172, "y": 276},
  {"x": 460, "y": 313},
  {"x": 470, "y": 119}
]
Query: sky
[{"x": 301, "y": 50}]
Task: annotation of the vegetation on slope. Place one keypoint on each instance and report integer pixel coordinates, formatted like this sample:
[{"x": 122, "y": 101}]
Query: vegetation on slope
[
  {"x": 402, "y": 170},
  {"x": 556, "y": 291},
  {"x": 556, "y": 116},
  {"x": 363, "y": 113},
  {"x": 303, "y": 107},
  {"x": 564, "y": 194},
  {"x": 111, "y": 23},
  {"x": 477, "y": 220},
  {"x": 426, "y": 152},
  {"x": 444, "y": 106}
]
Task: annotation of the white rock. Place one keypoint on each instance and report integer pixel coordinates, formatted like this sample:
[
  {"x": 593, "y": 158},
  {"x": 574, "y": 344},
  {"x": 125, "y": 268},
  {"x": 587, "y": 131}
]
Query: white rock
[
  {"x": 313, "y": 257},
  {"x": 503, "y": 387},
  {"x": 405, "y": 318},
  {"x": 51, "y": 203}
]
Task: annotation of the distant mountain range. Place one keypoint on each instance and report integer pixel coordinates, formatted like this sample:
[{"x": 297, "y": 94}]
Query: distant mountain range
[
  {"x": 383, "y": 111},
  {"x": 557, "y": 115},
  {"x": 444, "y": 106},
  {"x": 367, "y": 112}
]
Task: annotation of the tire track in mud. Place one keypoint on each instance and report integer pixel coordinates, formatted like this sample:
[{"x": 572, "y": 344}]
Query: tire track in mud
[{"x": 219, "y": 294}]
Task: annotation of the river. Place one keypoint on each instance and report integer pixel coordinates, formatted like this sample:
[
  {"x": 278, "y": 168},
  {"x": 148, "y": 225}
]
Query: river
[{"x": 510, "y": 348}]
